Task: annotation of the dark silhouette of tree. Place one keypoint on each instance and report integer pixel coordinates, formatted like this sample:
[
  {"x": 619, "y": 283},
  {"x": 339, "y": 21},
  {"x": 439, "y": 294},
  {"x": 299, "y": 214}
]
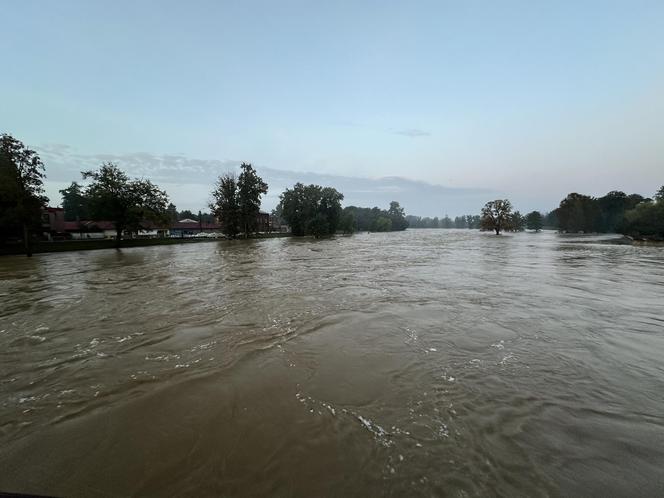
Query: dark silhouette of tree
[
  {"x": 397, "y": 216},
  {"x": 225, "y": 204},
  {"x": 75, "y": 203},
  {"x": 129, "y": 204},
  {"x": 517, "y": 222},
  {"x": 646, "y": 220},
  {"x": 172, "y": 213},
  {"x": 21, "y": 190},
  {"x": 250, "y": 189},
  {"x": 496, "y": 215},
  {"x": 534, "y": 221}
]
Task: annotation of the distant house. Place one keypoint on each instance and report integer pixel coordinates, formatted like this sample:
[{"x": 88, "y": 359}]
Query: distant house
[
  {"x": 189, "y": 228},
  {"x": 87, "y": 229},
  {"x": 53, "y": 222}
]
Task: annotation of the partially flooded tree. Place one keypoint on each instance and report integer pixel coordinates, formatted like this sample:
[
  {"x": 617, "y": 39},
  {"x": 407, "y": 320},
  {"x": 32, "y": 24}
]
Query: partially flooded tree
[
  {"x": 496, "y": 215},
  {"x": 311, "y": 209},
  {"x": 21, "y": 190},
  {"x": 534, "y": 221},
  {"x": 112, "y": 196}
]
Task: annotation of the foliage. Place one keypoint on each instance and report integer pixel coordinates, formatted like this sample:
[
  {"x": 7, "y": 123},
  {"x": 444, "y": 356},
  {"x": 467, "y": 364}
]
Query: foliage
[
  {"x": 534, "y": 221},
  {"x": 496, "y": 215},
  {"x": 373, "y": 219},
  {"x": 517, "y": 222},
  {"x": 311, "y": 209},
  {"x": 464, "y": 221},
  {"x": 226, "y": 205},
  {"x": 646, "y": 220},
  {"x": 127, "y": 203},
  {"x": 172, "y": 213},
  {"x": 397, "y": 217},
  {"x": 250, "y": 189},
  {"x": 75, "y": 203},
  {"x": 582, "y": 213},
  {"x": 237, "y": 201},
  {"x": 348, "y": 223},
  {"x": 21, "y": 190}
]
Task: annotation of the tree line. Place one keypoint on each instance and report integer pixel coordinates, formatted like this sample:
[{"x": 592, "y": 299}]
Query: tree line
[
  {"x": 133, "y": 204},
  {"x": 616, "y": 212}
]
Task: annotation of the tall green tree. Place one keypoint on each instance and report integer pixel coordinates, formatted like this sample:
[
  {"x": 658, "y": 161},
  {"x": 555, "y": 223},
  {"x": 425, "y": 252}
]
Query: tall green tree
[
  {"x": 534, "y": 221},
  {"x": 112, "y": 196},
  {"x": 578, "y": 213},
  {"x": 311, "y": 209},
  {"x": 251, "y": 188},
  {"x": 397, "y": 216},
  {"x": 21, "y": 190},
  {"x": 496, "y": 215},
  {"x": 75, "y": 203},
  {"x": 225, "y": 205},
  {"x": 172, "y": 212}
]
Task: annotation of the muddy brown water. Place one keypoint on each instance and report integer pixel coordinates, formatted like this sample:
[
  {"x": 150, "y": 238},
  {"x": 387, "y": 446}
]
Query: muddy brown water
[{"x": 423, "y": 363}]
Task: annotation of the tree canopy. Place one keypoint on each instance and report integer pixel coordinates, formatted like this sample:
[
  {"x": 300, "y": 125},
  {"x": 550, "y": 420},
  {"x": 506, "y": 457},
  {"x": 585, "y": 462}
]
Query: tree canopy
[
  {"x": 127, "y": 203},
  {"x": 75, "y": 203},
  {"x": 496, "y": 215},
  {"x": 251, "y": 188},
  {"x": 534, "y": 221},
  {"x": 237, "y": 200},
  {"x": 311, "y": 209},
  {"x": 21, "y": 190}
]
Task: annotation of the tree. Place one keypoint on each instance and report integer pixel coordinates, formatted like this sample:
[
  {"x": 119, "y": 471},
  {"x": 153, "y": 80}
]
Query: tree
[
  {"x": 578, "y": 213},
  {"x": 646, "y": 220},
  {"x": 496, "y": 215},
  {"x": 347, "y": 224},
  {"x": 172, "y": 212},
  {"x": 250, "y": 189},
  {"x": 129, "y": 204},
  {"x": 659, "y": 196},
  {"x": 517, "y": 222},
  {"x": 534, "y": 221},
  {"x": 21, "y": 190},
  {"x": 397, "y": 216},
  {"x": 225, "y": 204},
  {"x": 75, "y": 203},
  {"x": 187, "y": 215},
  {"x": 311, "y": 209}
]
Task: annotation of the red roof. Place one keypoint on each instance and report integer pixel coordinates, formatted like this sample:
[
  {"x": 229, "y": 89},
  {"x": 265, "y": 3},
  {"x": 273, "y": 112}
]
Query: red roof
[{"x": 179, "y": 225}]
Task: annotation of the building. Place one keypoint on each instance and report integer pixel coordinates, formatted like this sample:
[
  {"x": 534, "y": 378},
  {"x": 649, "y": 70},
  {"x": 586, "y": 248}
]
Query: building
[
  {"x": 53, "y": 223},
  {"x": 189, "y": 228}
]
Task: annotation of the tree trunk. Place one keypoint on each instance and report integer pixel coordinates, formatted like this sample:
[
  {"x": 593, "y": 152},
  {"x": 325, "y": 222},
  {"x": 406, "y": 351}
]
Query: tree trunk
[
  {"x": 497, "y": 229},
  {"x": 118, "y": 237},
  {"x": 26, "y": 240}
]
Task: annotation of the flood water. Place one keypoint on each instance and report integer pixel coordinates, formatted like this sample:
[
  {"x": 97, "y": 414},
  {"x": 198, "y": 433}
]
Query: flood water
[{"x": 423, "y": 363}]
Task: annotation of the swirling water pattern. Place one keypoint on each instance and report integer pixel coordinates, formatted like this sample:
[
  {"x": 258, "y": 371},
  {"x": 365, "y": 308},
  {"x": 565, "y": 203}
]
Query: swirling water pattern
[{"x": 423, "y": 363}]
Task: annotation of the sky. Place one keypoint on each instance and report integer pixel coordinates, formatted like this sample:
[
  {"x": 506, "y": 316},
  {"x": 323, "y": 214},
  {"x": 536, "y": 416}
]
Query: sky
[{"x": 439, "y": 105}]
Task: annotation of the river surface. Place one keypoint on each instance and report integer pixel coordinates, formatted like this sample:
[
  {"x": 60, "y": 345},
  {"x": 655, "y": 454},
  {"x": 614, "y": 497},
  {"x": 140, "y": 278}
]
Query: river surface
[{"x": 423, "y": 363}]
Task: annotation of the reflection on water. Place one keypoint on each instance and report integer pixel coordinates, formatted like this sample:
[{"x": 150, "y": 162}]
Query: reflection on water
[{"x": 430, "y": 362}]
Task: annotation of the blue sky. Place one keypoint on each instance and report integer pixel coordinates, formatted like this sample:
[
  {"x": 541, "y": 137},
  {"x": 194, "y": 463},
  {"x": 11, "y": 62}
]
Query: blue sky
[{"x": 529, "y": 100}]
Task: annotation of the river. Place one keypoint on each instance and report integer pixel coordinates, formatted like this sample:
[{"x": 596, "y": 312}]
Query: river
[{"x": 421, "y": 363}]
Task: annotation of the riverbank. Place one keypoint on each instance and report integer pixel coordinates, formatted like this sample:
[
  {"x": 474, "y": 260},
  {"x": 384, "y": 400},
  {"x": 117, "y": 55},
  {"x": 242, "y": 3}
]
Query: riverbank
[{"x": 90, "y": 245}]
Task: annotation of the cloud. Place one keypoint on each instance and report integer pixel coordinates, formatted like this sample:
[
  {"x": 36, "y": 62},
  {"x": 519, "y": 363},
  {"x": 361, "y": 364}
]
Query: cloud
[
  {"x": 188, "y": 181},
  {"x": 413, "y": 132}
]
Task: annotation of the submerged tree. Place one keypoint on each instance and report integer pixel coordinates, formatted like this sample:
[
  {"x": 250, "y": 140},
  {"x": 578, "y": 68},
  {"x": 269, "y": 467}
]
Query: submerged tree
[
  {"x": 225, "y": 204},
  {"x": 250, "y": 189},
  {"x": 127, "y": 203},
  {"x": 397, "y": 216},
  {"x": 21, "y": 190},
  {"x": 496, "y": 215},
  {"x": 311, "y": 209},
  {"x": 534, "y": 221}
]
